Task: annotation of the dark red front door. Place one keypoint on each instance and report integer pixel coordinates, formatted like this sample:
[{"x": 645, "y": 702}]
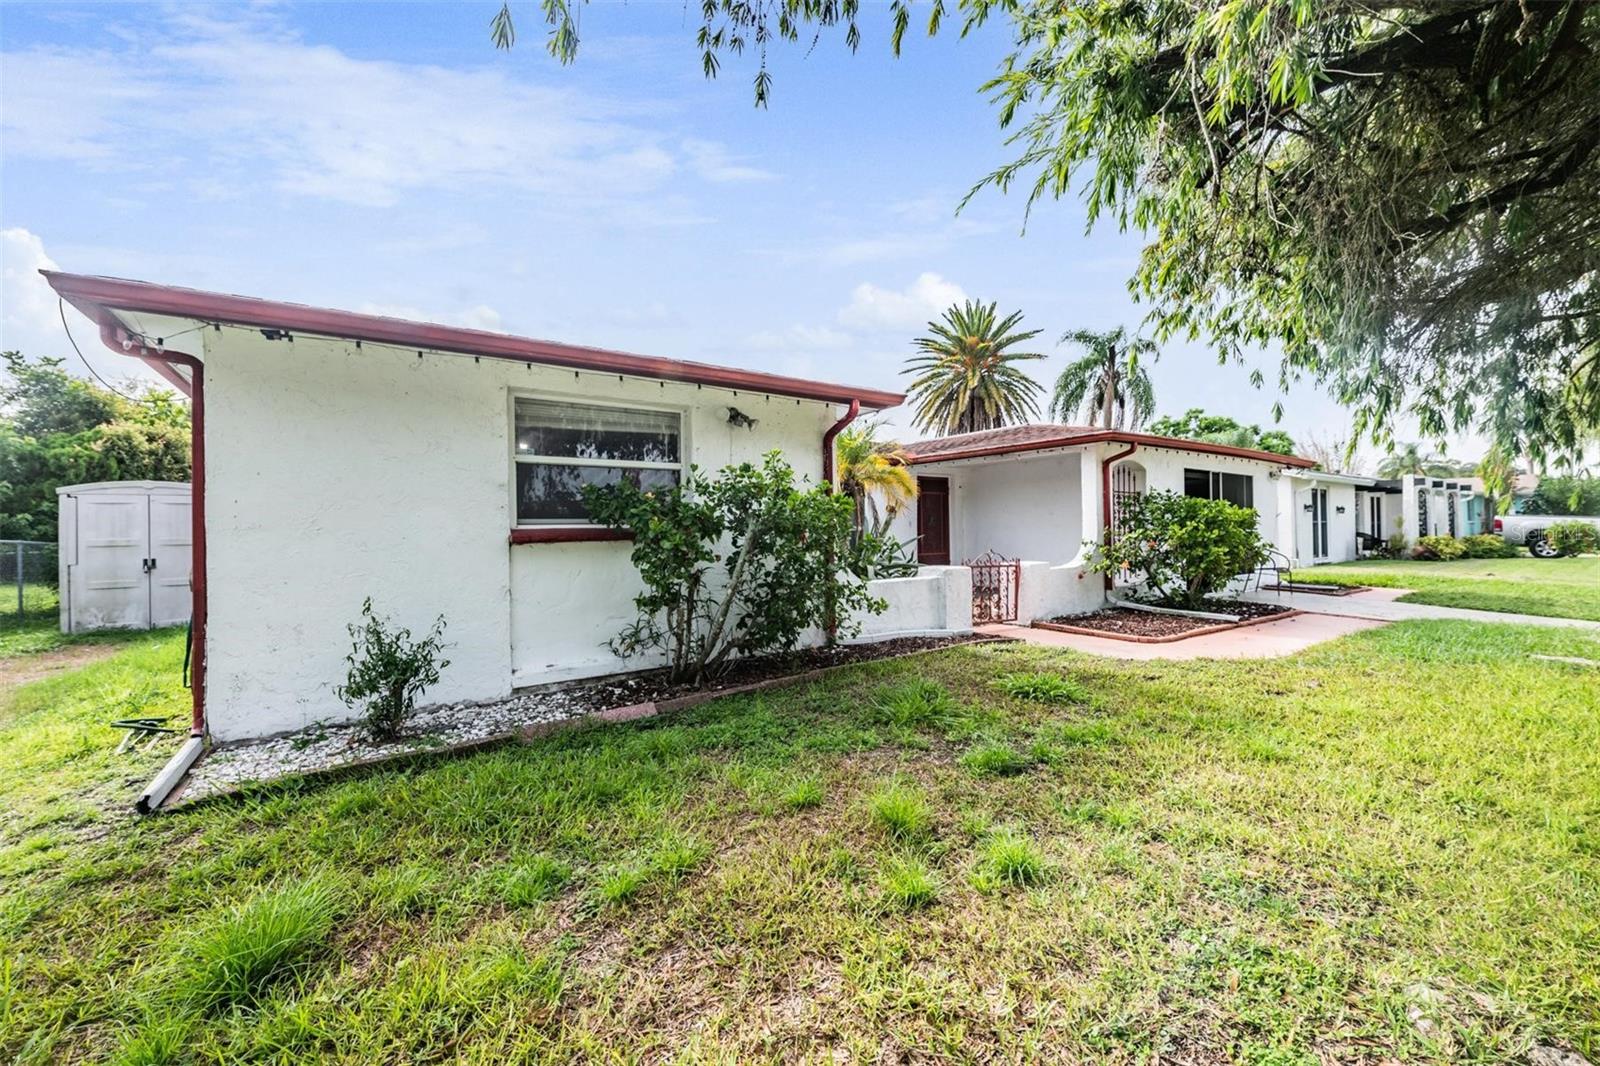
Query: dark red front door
[{"x": 933, "y": 521}]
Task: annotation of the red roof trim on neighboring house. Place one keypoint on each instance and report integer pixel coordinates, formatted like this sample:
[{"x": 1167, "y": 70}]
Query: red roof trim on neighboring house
[
  {"x": 1070, "y": 440},
  {"x": 85, "y": 291}
]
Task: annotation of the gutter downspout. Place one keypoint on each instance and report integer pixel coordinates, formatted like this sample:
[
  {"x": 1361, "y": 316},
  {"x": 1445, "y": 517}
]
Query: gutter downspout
[
  {"x": 1105, "y": 496},
  {"x": 113, "y": 336},
  {"x": 827, "y": 441}
]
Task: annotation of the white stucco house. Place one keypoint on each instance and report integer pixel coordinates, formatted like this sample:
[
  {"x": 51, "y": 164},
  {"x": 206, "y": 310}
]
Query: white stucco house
[{"x": 437, "y": 470}]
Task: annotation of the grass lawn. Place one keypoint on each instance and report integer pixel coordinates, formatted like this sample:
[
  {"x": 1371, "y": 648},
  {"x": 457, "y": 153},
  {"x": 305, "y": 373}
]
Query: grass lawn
[
  {"x": 1558, "y": 588},
  {"x": 38, "y": 627},
  {"x": 1386, "y": 849}
]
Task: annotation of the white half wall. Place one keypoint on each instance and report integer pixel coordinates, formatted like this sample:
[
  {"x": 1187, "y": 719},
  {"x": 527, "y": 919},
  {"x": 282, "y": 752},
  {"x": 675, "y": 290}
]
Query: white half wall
[{"x": 938, "y": 599}]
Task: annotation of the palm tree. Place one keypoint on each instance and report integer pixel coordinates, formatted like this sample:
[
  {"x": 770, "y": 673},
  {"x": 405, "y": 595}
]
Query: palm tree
[
  {"x": 1408, "y": 458},
  {"x": 1108, "y": 385},
  {"x": 870, "y": 468},
  {"x": 966, "y": 378}
]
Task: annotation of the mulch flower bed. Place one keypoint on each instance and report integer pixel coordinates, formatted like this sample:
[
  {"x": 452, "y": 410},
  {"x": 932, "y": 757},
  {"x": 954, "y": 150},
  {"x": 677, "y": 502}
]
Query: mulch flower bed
[
  {"x": 1123, "y": 623},
  {"x": 455, "y": 726}
]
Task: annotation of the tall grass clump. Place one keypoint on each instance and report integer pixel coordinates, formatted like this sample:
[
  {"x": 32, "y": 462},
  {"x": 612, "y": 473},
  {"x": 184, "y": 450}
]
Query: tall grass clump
[
  {"x": 532, "y": 881},
  {"x": 901, "y": 812},
  {"x": 1042, "y": 688},
  {"x": 273, "y": 935},
  {"x": 908, "y": 885},
  {"x": 995, "y": 758},
  {"x": 1010, "y": 858},
  {"x": 915, "y": 704}
]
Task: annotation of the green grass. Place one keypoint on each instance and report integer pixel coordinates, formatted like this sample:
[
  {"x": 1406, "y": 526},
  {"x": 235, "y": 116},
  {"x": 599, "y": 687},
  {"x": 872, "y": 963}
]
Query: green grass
[
  {"x": 1258, "y": 862},
  {"x": 1555, "y": 588},
  {"x": 1041, "y": 688}
]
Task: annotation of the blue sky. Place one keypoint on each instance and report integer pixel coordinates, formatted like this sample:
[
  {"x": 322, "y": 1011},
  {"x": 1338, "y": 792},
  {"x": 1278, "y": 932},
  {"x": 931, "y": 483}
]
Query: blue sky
[{"x": 387, "y": 158}]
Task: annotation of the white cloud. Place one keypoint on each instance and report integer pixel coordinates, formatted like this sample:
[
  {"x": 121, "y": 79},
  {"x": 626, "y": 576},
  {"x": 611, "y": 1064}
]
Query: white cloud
[
  {"x": 233, "y": 105},
  {"x": 713, "y": 162},
  {"x": 874, "y": 307},
  {"x": 479, "y": 317},
  {"x": 800, "y": 338},
  {"x": 30, "y": 316}
]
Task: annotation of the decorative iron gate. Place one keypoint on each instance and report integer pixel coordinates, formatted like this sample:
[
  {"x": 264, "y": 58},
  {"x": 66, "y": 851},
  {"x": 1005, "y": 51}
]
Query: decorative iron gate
[{"x": 995, "y": 581}]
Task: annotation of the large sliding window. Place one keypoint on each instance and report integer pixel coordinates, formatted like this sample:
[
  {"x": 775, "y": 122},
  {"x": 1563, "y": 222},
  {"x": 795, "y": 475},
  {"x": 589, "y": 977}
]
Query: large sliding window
[
  {"x": 1238, "y": 489},
  {"x": 561, "y": 447}
]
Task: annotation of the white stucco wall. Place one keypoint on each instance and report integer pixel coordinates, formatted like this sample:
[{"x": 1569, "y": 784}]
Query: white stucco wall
[
  {"x": 335, "y": 473},
  {"x": 938, "y": 599},
  {"x": 1341, "y": 526},
  {"x": 1028, "y": 508}
]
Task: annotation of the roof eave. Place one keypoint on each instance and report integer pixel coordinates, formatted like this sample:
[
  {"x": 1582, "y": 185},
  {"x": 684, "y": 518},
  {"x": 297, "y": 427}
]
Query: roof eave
[
  {"x": 1143, "y": 439},
  {"x": 87, "y": 292}
]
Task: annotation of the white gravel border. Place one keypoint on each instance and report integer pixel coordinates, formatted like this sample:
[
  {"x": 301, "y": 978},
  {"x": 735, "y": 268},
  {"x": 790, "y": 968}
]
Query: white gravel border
[{"x": 327, "y": 747}]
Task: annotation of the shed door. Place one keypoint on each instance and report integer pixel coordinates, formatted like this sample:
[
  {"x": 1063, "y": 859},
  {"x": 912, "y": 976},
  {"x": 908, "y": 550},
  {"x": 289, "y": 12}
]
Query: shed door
[
  {"x": 933, "y": 521},
  {"x": 170, "y": 535},
  {"x": 109, "y": 586}
]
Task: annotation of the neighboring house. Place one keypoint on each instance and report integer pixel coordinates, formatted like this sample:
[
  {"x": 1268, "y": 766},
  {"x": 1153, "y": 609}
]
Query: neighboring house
[
  {"x": 1040, "y": 492},
  {"x": 437, "y": 470},
  {"x": 1044, "y": 493},
  {"x": 1419, "y": 505}
]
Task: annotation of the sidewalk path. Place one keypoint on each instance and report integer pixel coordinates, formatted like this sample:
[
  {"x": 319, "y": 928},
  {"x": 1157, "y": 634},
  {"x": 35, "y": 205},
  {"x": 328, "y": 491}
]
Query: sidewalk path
[
  {"x": 1269, "y": 640},
  {"x": 1380, "y": 605}
]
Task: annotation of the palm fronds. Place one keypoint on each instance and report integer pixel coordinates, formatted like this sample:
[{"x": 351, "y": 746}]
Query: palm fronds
[{"x": 966, "y": 378}]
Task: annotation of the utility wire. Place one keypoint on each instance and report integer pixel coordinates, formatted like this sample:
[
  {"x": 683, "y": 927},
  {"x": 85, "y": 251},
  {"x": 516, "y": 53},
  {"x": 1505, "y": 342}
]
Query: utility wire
[{"x": 62, "y": 308}]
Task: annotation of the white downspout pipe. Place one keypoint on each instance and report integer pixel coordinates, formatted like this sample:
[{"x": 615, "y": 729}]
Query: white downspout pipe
[{"x": 164, "y": 782}]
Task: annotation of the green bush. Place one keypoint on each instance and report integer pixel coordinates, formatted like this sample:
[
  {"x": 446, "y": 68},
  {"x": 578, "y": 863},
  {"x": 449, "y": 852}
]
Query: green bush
[
  {"x": 1573, "y": 538},
  {"x": 388, "y": 671},
  {"x": 781, "y": 550},
  {"x": 1185, "y": 547},
  {"x": 1488, "y": 546},
  {"x": 1440, "y": 548}
]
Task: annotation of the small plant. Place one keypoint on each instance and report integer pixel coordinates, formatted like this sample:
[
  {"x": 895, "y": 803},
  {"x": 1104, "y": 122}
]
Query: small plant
[
  {"x": 1396, "y": 547},
  {"x": 1573, "y": 538},
  {"x": 1443, "y": 549},
  {"x": 533, "y": 881},
  {"x": 901, "y": 812},
  {"x": 1042, "y": 688},
  {"x": 271, "y": 936},
  {"x": 405, "y": 889},
  {"x": 908, "y": 885},
  {"x": 802, "y": 795},
  {"x": 915, "y": 703},
  {"x": 622, "y": 885},
  {"x": 388, "y": 671},
  {"x": 993, "y": 758},
  {"x": 1010, "y": 858}
]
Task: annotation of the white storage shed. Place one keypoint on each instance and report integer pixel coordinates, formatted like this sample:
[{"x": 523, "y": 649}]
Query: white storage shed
[{"x": 125, "y": 555}]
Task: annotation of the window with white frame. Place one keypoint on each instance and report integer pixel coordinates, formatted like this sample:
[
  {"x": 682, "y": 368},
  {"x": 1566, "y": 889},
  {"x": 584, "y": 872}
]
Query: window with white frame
[{"x": 561, "y": 447}]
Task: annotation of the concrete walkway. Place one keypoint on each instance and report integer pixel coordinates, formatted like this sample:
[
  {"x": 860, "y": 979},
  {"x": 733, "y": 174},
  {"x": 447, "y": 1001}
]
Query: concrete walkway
[
  {"x": 1269, "y": 640},
  {"x": 1380, "y": 605}
]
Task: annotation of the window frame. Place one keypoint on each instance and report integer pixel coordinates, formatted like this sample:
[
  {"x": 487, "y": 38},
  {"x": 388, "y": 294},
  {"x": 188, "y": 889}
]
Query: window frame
[
  {"x": 682, "y": 412},
  {"x": 1214, "y": 485}
]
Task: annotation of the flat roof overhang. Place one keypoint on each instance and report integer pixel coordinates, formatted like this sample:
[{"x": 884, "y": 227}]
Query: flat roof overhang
[
  {"x": 1145, "y": 440},
  {"x": 95, "y": 296}
]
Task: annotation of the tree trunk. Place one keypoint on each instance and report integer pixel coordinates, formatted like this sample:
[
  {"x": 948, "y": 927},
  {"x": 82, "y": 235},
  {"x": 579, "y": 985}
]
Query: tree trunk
[{"x": 1110, "y": 388}]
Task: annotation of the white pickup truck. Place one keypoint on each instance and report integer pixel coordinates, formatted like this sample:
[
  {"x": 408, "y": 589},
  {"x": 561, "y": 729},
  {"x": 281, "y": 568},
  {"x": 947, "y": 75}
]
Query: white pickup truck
[{"x": 1529, "y": 529}]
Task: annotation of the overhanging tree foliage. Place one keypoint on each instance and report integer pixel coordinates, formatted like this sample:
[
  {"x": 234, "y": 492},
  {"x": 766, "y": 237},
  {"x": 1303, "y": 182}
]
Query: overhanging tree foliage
[
  {"x": 56, "y": 429},
  {"x": 1195, "y": 424},
  {"x": 1401, "y": 196}
]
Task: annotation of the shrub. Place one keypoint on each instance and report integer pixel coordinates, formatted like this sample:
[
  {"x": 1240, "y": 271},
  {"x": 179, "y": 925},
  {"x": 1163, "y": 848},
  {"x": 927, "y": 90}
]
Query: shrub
[
  {"x": 993, "y": 758},
  {"x": 388, "y": 671},
  {"x": 1442, "y": 549},
  {"x": 1042, "y": 688},
  {"x": 271, "y": 936},
  {"x": 1185, "y": 547},
  {"x": 780, "y": 550},
  {"x": 908, "y": 884},
  {"x": 1011, "y": 858},
  {"x": 1487, "y": 546},
  {"x": 1573, "y": 538},
  {"x": 1396, "y": 547},
  {"x": 901, "y": 813}
]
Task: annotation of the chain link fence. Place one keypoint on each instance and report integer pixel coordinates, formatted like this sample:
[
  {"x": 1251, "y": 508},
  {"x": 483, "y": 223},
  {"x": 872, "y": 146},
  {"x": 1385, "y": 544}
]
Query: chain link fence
[{"x": 28, "y": 578}]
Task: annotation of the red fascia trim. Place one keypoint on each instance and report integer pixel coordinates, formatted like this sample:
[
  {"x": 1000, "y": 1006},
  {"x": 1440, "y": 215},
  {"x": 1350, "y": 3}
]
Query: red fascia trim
[
  {"x": 567, "y": 534},
  {"x": 113, "y": 337},
  {"x": 249, "y": 311},
  {"x": 1105, "y": 495},
  {"x": 1146, "y": 439},
  {"x": 827, "y": 441}
]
